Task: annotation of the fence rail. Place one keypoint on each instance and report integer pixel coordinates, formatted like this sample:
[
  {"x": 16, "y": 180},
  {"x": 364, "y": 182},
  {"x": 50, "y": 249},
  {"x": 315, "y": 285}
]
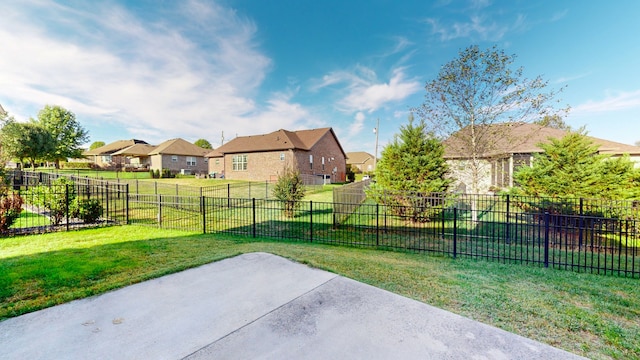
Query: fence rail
[{"x": 584, "y": 235}]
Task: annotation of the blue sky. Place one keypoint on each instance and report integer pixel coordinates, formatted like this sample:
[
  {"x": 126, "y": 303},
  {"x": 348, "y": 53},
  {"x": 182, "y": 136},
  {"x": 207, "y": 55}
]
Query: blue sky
[{"x": 156, "y": 70}]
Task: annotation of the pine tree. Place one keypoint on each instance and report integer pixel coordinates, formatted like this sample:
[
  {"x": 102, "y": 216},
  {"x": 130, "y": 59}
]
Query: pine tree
[
  {"x": 571, "y": 167},
  {"x": 411, "y": 169}
]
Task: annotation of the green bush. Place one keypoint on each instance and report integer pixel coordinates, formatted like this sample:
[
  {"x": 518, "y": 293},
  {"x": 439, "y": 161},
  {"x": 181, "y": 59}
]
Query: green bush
[
  {"x": 56, "y": 198},
  {"x": 290, "y": 190},
  {"x": 76, "y": 165},
  {"x": 87, "y": 210},
  {"x": 10, "y": 209}
]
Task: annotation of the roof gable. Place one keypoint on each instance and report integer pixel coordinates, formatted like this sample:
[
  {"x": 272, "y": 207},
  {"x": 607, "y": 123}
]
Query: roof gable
[
  {"x": 115, "y": 146},
  {"x": 136, "y": 150},
  {"x": 358, "y": 157},
  {"x": 178, "y": 147}
]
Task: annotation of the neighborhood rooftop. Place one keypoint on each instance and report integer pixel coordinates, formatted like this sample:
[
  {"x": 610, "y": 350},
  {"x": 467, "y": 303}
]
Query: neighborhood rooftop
[
  {"x": 523, "y": 138},
  {"x": 277, "y": 140}
]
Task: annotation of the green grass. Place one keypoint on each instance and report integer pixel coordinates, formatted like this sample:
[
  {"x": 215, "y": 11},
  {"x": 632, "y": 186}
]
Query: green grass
[
  {"x": 29, "y": 219},
  {"x": 594, "y": 316}
]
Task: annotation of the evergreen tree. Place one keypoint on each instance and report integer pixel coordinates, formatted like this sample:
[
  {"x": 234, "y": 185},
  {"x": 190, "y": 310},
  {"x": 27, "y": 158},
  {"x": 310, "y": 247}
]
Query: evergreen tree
[
  {"x": 289, "y": 189},
  {"x": 411, "y": 169},
  {"x": 571, "y": 167}
]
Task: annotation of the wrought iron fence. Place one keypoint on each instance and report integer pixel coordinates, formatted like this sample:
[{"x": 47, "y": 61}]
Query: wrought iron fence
[
  {"x": 585, "y": 235},
  {"x": 49, "y": 206}
]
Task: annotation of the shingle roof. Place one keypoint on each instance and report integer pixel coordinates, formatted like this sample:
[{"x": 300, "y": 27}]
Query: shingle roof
[
  {"x": 513, "y": 138},
  {"x": 110, "y": 148},
  {"x": 277, "y": 140},
  {"x": 358, "y": 157},
  {"x": 179, "y": 147},
  {"x": 136, "y": 150}
]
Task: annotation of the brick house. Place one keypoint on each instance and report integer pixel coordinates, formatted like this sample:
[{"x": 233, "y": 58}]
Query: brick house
[
  {"x": 316, "y": 153},
  {"x": 510, "y": 146},
  {"x": 361, "y": 160},
  {"x": 106, "y": 156},
  {"x": 179, "y": 156}
]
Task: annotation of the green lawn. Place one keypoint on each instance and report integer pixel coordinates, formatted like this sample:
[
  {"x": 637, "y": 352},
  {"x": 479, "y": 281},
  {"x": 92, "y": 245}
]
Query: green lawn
[{"x": 594, "y": 316}]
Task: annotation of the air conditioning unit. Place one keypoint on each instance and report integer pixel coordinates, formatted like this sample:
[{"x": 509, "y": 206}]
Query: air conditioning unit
[{"x": 185, "y": 171}]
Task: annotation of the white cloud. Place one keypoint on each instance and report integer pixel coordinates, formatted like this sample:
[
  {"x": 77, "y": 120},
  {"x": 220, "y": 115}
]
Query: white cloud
[
  {"x": 191, "y": 72},
  {"x": 357, "y": 124},
  {"x": 616, "y": 102},
  {"x": 367, "y": 95},
  {"x": 476, "y": 26}
]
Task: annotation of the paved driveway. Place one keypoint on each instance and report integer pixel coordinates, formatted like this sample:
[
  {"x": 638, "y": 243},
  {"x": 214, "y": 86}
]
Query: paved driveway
[{"x": 257, "y": 306}]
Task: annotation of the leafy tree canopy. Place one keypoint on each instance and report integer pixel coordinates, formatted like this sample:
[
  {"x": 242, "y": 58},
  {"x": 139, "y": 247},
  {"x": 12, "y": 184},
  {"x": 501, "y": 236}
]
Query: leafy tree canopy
[
  {"x": 203, "y": 143},
  {"x": 96, "y": 144},
  {"x": 553, "y": 121},
  {"x": 25, "y": 141},
  {"x": 477, "y": 89},
  {"x": 571, "y": 167},
  {"x": 67, "y": 133}
]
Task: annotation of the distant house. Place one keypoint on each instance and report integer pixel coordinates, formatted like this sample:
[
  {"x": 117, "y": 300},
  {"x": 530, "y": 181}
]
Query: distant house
[
  {"x": 512, "y": 145},
  {"x": 364, "y": 161},
  {"x": 179, "y": 156},
  {"x": 106, "y": 157},
  {"x": 316, "y": 153},
  {"x": 137, "y": 156}
]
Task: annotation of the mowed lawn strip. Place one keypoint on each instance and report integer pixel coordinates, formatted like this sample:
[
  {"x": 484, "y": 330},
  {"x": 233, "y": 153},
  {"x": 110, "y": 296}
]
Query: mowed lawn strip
[{"x": 591, "y": 315}]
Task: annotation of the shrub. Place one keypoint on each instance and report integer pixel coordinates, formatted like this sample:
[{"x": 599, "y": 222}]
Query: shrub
[
  {"x": 10, "y": 209},
  {"x": 76, "y": 165},
  {"x": 290, "y": 190},
  {"x": 87, "y": 210},
  {"x": 56, "y": 198}
]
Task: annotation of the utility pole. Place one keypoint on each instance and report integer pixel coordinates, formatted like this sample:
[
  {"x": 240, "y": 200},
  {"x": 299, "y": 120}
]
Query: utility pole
[{"x": 376, "y": 130}]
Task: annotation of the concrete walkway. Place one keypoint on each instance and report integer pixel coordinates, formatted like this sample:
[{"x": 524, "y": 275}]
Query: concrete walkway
[{"x": 257, "y": 306}]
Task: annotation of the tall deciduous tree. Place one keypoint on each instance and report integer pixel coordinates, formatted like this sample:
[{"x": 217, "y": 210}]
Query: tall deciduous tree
[
  {"x": 411, "y": 168},
  {"x": 25, "y": 141},
  {"x": 67, "y": 133},
  {"x": 572, "y": 168},
  {"x": 96, "y": 144},
  {"x": 553, "y": 121},
  {"x": 203, "y": 143},
  {"x": 477, "y": 89}
]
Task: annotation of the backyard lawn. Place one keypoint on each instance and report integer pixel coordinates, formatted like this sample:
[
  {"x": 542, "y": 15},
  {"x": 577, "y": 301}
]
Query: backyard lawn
[{"x": 591, "y": 315}]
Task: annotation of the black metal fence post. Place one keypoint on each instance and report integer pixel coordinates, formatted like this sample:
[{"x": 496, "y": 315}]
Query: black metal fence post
[
  {"x": 66, "y": 204},
  {"x": 546, "y": 239},
  {"x": 253, "y": 206},
  {"x": 377, "y": 224},
  {"x": 508, "y": 224},
  {"x": 455, "y": 232},
  {"x": 203, "y": 211},
  {"x": 126, "y": 204},
  {"x": 106, "y": 205},
  {"x": 228, "y": 195},
  {"x": 310, "y": 221},
  {"x": 159, "y": 210}
]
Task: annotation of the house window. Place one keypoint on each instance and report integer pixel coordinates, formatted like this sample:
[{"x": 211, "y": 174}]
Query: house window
[
  {"x": 191, "y": 161},
  {"x": 217, "y": 161},
  {"x": 323, "y": 163},
  {"x": 106, "y": 158},
  {"x": 239, "y": 162},
  {"x": 311, "y": 161},
  {"x": 174, "y": 158},
  {"x": 281, "y": 156}
]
